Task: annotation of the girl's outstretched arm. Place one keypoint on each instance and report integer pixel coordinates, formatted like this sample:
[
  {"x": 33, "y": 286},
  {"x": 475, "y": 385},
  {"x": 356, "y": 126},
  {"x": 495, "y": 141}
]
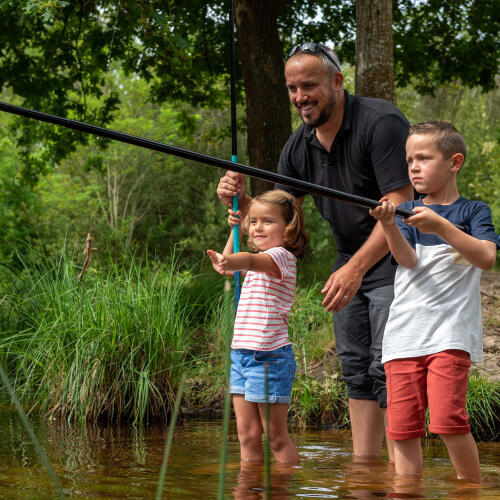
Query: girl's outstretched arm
[
  {"x": 218, "y": 260},
  {"x": 244, "y": 261}
]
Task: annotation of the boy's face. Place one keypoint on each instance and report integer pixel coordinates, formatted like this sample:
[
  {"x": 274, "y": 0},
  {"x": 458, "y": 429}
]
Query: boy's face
[{"x": 428, "y": 170}]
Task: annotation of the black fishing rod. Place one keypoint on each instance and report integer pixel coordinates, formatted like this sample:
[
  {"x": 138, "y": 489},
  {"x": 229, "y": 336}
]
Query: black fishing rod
[
  {"x": 200, "y": 158},
  {"x": 234, "y": 147}
]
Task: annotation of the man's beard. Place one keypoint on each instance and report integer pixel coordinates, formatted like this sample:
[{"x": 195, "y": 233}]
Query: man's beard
[{"x": 324, "y": 114}]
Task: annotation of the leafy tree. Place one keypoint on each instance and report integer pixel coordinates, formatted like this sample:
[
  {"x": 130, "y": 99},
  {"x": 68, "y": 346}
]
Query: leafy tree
[
  {"x": 181, "y": 48},
  {"x": 130, "y": 198},
  {"x": 16, "y": 198}
]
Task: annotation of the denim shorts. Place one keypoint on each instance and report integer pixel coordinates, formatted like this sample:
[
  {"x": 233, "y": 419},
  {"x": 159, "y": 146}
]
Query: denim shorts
[{"x": 248, "y": 374}]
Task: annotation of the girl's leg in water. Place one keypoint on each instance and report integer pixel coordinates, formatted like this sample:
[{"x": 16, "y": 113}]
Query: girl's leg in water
[
  {"x": 249, "y": 427},
  {"x": 281, "y": 443}
]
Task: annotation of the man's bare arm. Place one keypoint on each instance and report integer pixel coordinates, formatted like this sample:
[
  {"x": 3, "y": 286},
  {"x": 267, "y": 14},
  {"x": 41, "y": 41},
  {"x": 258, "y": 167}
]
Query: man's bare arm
[{"x": 344, "y": 283}]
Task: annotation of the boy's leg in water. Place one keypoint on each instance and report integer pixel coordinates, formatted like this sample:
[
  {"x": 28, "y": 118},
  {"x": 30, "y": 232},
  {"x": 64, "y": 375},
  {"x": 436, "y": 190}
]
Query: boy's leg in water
[
  {"x": 249, "y": 427},
  {"x": 447, "y": 388},
  {"x": 281, "y": 443},
  {"x": 408, "y": 457},
  {"x": 464, "y": 455}
]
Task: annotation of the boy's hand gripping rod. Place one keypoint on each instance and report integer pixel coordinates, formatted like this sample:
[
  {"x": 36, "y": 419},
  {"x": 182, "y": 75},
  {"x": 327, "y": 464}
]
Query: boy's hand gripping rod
[{"x": 201, "y": 158}]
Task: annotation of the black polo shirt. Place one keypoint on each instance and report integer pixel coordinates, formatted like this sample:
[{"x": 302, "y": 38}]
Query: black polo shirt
[{"x": 367, "y": 158}]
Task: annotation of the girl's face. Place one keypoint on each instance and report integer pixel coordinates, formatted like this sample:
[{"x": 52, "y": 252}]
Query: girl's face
[{"x": 266, "y": 226}]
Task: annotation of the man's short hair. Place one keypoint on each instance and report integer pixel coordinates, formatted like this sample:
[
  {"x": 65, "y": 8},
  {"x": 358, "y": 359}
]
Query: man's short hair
[
  {"x": 448, "y": 139},
  {"x": 327, "y": 55},
  {"x": 332, "y": 68}
]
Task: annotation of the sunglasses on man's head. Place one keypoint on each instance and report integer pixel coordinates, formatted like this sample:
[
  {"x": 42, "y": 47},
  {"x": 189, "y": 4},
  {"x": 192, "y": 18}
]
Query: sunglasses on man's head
[{"x": 311, "y": 48}]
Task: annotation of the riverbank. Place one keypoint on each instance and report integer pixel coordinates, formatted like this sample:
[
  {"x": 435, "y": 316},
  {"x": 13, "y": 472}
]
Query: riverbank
[{"x": 113, "y": 346}]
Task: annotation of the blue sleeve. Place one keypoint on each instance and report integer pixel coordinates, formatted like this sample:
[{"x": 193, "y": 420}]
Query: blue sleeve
[
  {"x": 481, "y": 225},
  {"x": 408, "y": 232}
]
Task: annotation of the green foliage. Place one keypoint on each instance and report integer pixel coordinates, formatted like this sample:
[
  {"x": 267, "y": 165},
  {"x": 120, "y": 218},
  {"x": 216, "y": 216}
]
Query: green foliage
[
  {"x": 112, "y": 345},
  {"x": 483, "y": 406},
  {"x": 130, "y": 198},
  {"x": 16, "y": 198},
  {"x": 310, "y": 326},
  {"x": 438, "y": 42},
  {"x": 54, "y": 56},
  {"x": 320, "y": 402}
]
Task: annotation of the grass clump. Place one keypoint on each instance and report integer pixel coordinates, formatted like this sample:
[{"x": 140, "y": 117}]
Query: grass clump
[
  {"x": 320, "y": 402},
  {"x": 112, "y": 345},
  {"x": 483, "y": 407}
]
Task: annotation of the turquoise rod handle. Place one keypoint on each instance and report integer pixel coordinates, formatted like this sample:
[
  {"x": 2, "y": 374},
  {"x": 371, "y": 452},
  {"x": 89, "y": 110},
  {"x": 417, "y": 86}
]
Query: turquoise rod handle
[{"x": 236, "y": 246}]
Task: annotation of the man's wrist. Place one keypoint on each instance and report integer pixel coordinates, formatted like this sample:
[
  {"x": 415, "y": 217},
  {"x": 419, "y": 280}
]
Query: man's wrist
[
  {"x": 357, "y": 266},
  {"x": 244, "y": 201}
]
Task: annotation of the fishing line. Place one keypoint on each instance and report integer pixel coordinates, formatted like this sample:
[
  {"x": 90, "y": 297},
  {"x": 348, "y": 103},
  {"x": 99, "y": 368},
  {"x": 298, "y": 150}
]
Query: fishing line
[{"x": 113, "y": 35}]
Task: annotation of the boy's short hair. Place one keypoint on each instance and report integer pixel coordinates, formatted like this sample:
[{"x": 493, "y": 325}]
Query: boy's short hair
[{"x": 448, "y": 139}]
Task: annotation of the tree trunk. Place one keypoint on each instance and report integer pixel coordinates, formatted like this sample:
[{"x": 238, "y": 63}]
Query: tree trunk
[
  {"x": 269, "y": 122},
  {"x": 374, "y": 49}
]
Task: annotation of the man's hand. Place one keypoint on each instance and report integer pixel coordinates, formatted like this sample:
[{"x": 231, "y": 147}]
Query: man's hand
[
  {"x": 230, "y": 185},
  {"x": 341, "y": 287}
]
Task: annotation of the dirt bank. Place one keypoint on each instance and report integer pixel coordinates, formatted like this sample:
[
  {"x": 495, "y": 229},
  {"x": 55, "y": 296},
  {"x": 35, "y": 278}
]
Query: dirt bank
[{"x": 490, "y": 296}]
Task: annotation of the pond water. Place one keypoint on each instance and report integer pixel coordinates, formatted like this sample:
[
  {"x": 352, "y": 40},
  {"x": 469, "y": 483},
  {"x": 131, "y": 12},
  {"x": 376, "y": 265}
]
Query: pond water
[{"x": 123, "y": 462}]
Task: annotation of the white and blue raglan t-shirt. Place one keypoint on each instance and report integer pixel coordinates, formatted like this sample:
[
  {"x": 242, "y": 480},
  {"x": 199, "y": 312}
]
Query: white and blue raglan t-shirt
[{"x": 437, "y": 303}]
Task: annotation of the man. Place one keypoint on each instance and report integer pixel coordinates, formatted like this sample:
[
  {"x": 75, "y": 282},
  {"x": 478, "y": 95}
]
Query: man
[{"x": 356, "y": 145}]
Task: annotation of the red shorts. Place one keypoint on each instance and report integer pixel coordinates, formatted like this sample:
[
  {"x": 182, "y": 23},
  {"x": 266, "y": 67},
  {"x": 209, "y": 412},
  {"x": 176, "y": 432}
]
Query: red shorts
[{"x": 437, "y": 381}]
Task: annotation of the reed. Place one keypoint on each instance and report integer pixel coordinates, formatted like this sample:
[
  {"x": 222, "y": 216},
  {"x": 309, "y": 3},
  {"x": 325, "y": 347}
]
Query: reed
[
  {"x": 170, "y": 438},
  {"x": 227, "y": 316},
  {"x": 110, "y": 346},
  {"x": 31, "y": 432}
]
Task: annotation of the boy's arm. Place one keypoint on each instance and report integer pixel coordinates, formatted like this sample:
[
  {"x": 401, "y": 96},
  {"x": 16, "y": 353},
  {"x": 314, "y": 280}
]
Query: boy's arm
[
  {"x": 480, "y": 253},
  {"x": 401, "y": 250}
]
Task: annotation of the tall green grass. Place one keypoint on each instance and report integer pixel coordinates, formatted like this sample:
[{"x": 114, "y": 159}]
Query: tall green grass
[
  {"x": 111, "y": 346},
  {"x": 483, "y": 407},
  {"x": 114, "y": 345}
]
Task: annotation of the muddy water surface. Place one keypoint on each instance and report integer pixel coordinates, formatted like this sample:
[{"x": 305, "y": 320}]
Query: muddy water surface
[{"x": 120, "y": 462}]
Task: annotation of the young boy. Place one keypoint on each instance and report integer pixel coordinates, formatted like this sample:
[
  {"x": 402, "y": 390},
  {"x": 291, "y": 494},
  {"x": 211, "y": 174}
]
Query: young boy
[{"x": 434, "y": 329}]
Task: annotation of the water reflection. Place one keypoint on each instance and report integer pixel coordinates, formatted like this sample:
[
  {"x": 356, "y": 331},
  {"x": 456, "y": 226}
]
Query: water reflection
[
  {"x": 123, "y": 462},
  {"x": 251, "y": 481}
]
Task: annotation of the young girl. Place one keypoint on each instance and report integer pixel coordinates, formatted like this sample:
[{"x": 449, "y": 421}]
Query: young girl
[{"x": 275, "y": 226}]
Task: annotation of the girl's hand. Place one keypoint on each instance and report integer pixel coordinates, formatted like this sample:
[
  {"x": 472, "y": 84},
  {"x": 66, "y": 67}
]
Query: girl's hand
[
  {"x": 219, "y": 262},
  {"x": 385, "y": 212},
  {"x": 234, "y": 217}
]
